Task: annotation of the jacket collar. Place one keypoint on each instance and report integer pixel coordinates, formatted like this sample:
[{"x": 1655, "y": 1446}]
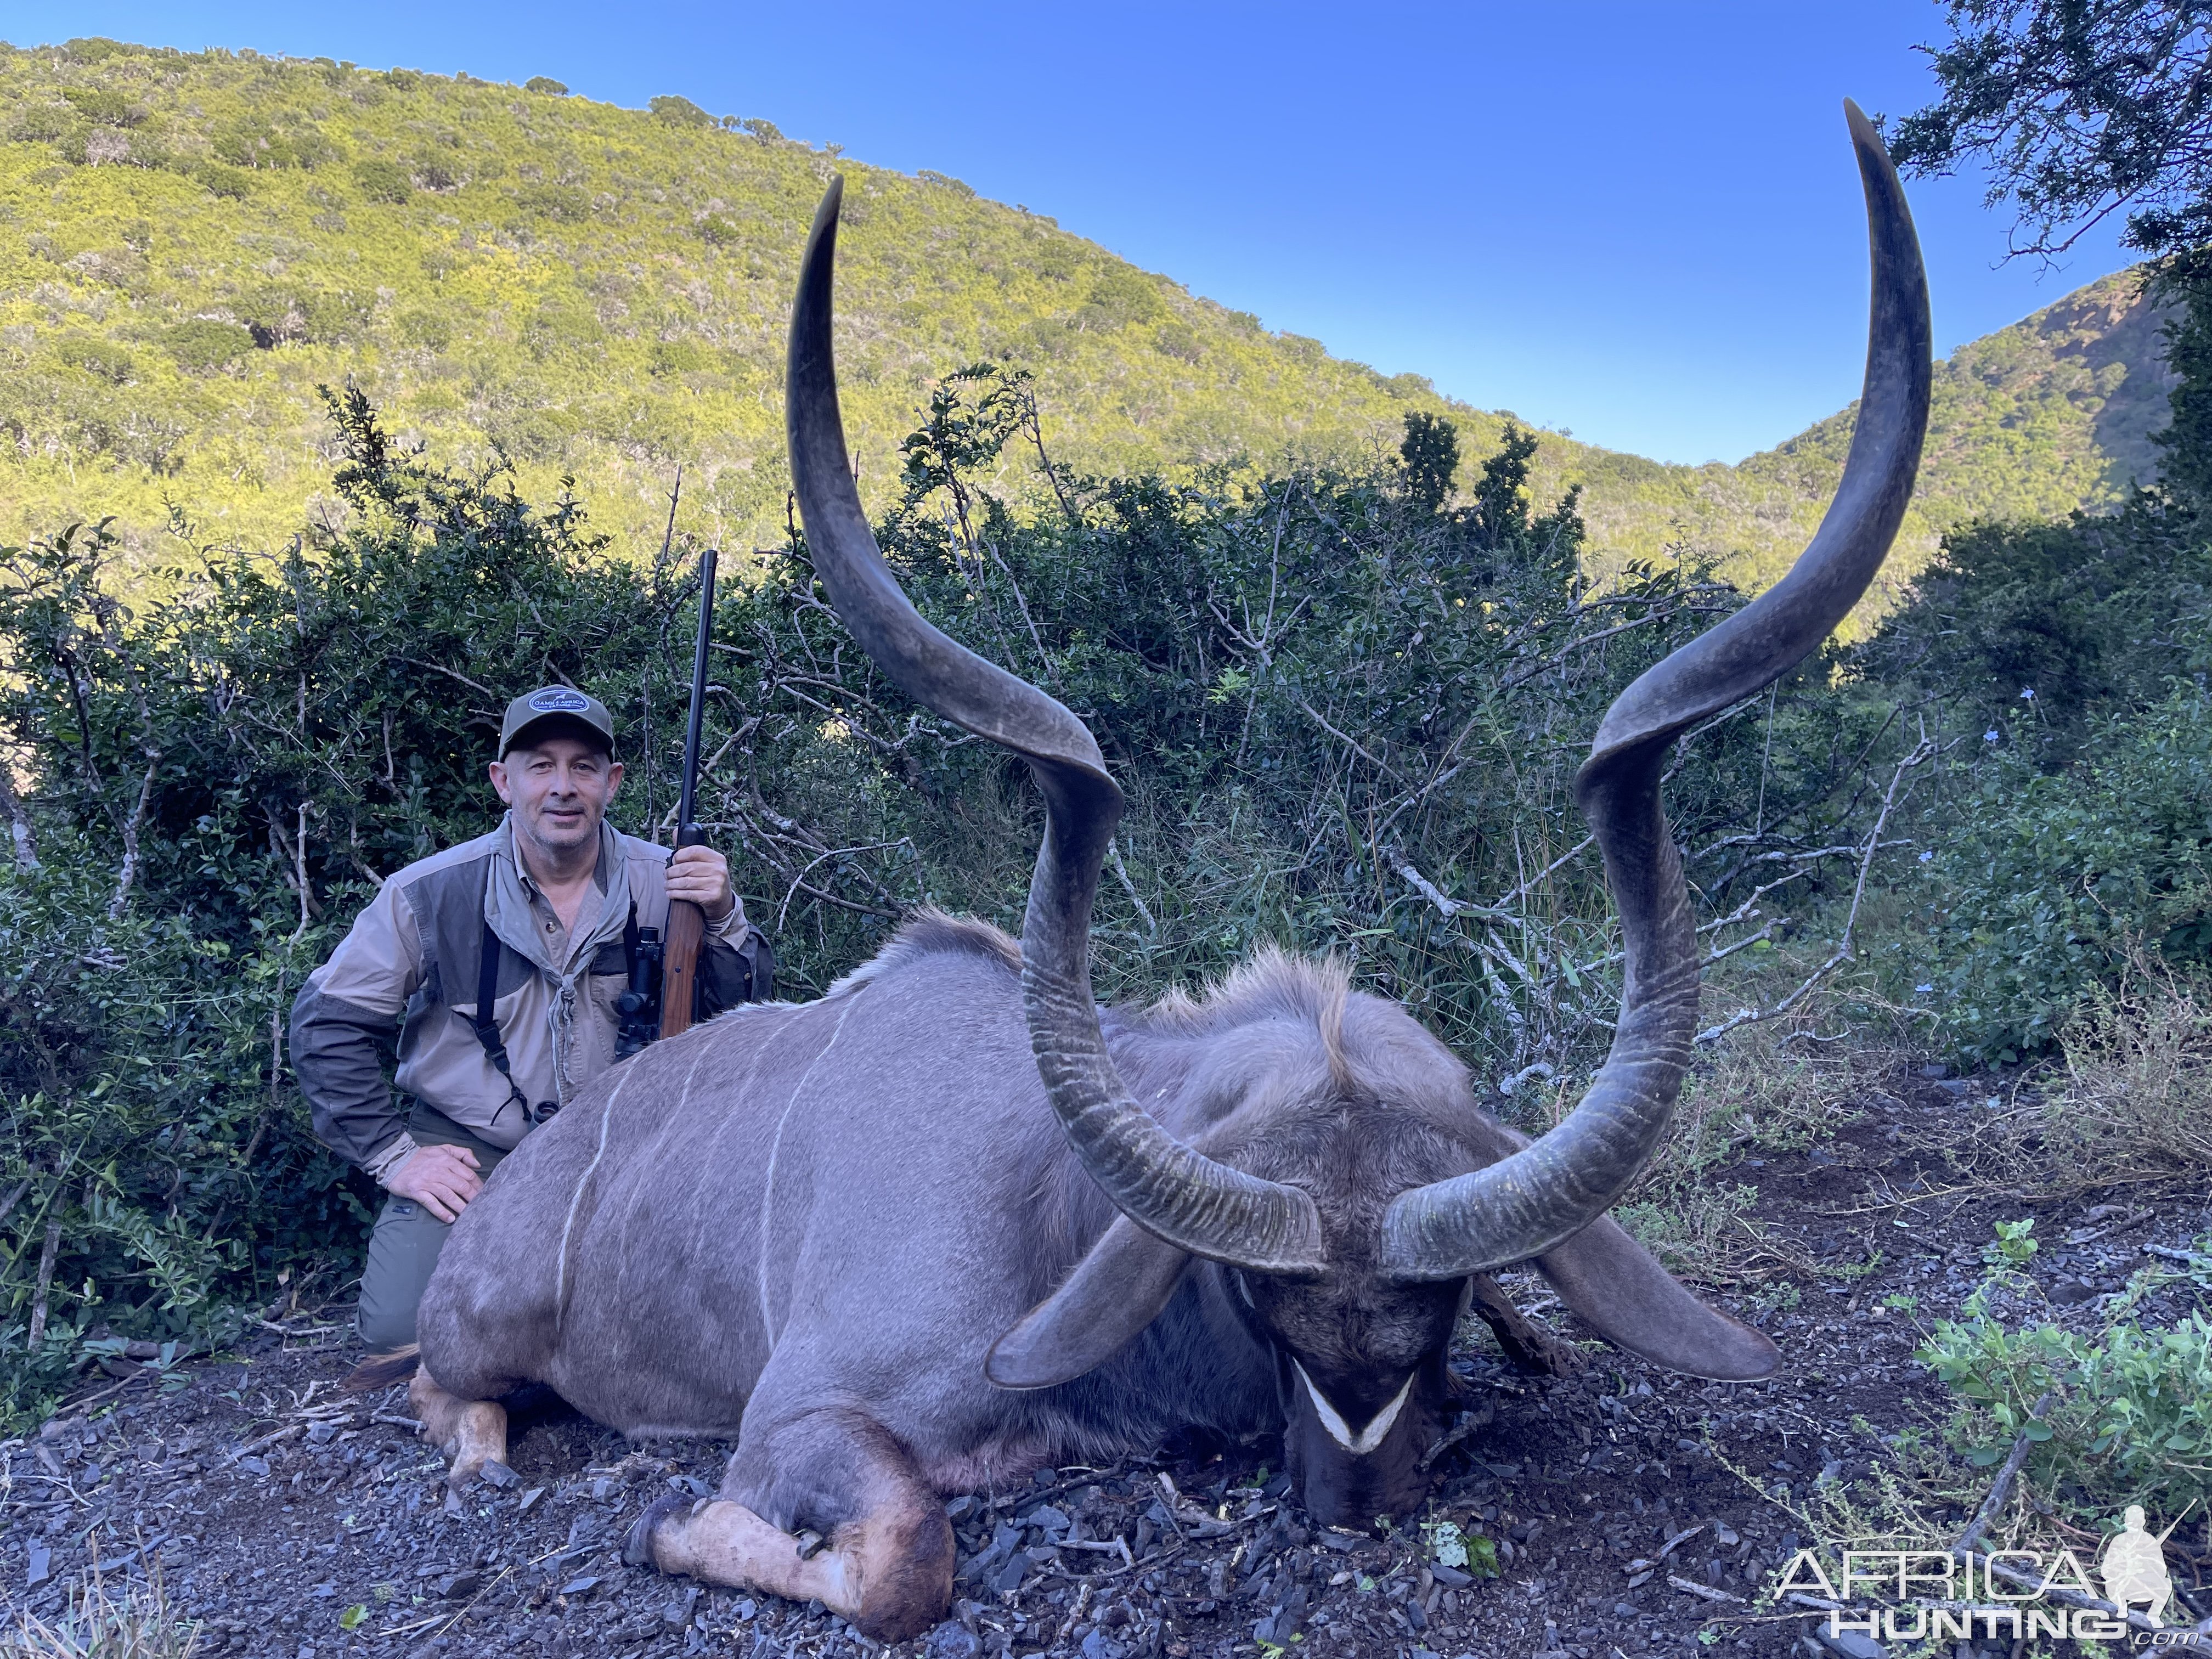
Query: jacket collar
[{"x": 507, "y": 904}]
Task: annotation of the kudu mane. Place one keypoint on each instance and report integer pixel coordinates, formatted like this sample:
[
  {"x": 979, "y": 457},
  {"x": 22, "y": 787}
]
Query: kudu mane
[{"x": 1293, "y": 1054}]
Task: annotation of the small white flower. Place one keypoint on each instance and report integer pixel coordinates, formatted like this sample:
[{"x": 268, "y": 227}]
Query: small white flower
[
  {"x": 1989, "y": 736},
  {"x": 2028, "y": 694},
  {"x": 1926, "y": 857},
  {"x": 1924, "y": 989}
]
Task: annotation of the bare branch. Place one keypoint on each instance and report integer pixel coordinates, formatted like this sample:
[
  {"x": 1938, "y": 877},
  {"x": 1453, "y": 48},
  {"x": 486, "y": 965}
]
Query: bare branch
[
  {"x": 1122, "y": 873},
  {"x": 1923, "y": 751},
  {"x": 128, "y": 872}
]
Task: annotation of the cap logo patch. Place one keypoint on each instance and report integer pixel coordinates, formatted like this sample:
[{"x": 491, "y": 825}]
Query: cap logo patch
[{"x": 560, "y": 702}]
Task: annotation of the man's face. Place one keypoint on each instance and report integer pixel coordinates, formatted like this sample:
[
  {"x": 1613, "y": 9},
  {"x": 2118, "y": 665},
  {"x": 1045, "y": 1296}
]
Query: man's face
[{"x": 559, "y": 788}]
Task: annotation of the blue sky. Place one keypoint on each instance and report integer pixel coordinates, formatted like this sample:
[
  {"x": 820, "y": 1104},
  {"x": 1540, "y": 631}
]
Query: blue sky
[{"x": 1639, "y": 223}]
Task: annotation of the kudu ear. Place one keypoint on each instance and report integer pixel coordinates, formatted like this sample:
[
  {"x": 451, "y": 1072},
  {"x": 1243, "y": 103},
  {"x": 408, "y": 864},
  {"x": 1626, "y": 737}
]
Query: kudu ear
[
  {"x": 1615, "y": 1285},
  {"x": 1113, "y": 1294}
]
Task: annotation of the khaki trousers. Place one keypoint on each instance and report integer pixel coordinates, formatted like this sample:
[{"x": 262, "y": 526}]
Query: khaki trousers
[{"x": 404, "y": 1249}]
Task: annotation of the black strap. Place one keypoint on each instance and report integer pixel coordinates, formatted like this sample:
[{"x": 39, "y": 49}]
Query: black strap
[{"x": 486, "y": 1025}]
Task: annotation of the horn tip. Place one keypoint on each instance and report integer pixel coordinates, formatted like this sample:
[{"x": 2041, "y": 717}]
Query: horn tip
[{"x": 1862, "y": 128}]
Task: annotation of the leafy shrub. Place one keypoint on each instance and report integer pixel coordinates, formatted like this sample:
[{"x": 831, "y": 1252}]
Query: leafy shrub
[
  {"x": 251, "y": 142},
  {"x": 206, "y": 343},
  {"x": 105, "y": 107},
  {"x": 2129, "y": 1419},
  {"x": 37, "y": 124},
  {"x": 564, "y": 203},
  {"x": 113, "y": 363},
  {"x": 1172, "y": 339},
  {"x": 221, "y": 180},
  {"x": 2094, "y": 615},
  {"x": 382, "y": 181},
  {"x": 424, "y": 327},
  {"x": 720, "y": 232},
  {"x": 1119, "y": 297},
  {"x": 2044, "y": 879},
  {"x": 679, "y": 111},
  {"x": 545, "y": 84},
  {"x": 678, "y": 357}
]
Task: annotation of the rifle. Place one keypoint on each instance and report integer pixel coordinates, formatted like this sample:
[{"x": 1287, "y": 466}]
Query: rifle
[{"x": 687, "y": 923}]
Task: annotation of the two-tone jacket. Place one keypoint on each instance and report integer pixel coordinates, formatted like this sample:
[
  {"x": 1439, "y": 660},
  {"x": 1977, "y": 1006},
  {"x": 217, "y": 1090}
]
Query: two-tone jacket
[{"x": 407, "y": 972}]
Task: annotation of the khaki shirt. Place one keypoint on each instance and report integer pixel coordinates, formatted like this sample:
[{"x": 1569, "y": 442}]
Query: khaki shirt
[{"x": 407, "y": 975}]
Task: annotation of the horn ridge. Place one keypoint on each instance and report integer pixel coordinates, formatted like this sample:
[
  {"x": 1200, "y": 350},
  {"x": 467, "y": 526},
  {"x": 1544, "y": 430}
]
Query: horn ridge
[
  {"x": 1173, "y": 1192},
  {"x": 1539, "y": 1197}
]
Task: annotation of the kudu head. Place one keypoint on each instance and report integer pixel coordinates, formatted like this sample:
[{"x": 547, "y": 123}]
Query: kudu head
[{"x": 1358, "y": 1293}]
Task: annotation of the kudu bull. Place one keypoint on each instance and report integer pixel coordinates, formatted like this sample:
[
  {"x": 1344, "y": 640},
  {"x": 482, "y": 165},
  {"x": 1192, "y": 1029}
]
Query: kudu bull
[{"x": 952, "y": 1223}]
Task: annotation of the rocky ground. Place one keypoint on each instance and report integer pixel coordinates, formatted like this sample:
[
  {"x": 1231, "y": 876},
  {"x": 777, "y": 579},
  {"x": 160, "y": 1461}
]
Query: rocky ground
[{"x": 1629, "y": 1512}]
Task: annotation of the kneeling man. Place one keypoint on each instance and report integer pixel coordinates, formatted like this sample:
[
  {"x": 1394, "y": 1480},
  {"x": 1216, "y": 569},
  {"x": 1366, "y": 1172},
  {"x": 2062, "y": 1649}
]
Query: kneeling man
[{"x": 500, "y": 967}]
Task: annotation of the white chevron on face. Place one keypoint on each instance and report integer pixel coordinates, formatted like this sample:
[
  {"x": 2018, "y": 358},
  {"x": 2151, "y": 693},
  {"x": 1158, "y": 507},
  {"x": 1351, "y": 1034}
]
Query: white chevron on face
[{"x": 1360, "y": 1444}]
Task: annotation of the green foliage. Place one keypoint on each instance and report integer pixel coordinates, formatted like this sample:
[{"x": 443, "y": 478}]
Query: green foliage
[
  {"x": 2043, "y": 881},
  {"x": 2014, "y": 1246},
  {"x": 1430, "y": 452},
  {"x": 233, "y": 184},
  {"x": 547, "y": 85},
  {"x": 105, "y": 106},
  {"x": 2128, "y": 1416},
  {"x": 679, "y": 111},
  {"x": 2185, "y": 446},
  {"x": 1448, "y": 1546},
  {"x": 97, "y": 357},
  {"x": 380, "y": 180},
  {"x": 1118, "y": 298},
  {"x": 2077, "y": 108},
  {"x": 2095, "y": 616},
  {"x": 204, "y": 345}
]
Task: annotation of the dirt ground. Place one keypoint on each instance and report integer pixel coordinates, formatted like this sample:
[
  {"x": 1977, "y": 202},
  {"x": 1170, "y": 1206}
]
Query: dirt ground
[{"x": 289, "y": 1519}]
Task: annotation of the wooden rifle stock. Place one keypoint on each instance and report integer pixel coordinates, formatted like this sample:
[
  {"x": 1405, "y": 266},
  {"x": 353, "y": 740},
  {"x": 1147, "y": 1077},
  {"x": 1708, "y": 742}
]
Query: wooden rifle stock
[
  {"x": 687, "y": 923},
  {"x": 679, "y": 969}
]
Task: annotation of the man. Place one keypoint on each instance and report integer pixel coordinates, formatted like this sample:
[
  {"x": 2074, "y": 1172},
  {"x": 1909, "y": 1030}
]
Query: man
[{"x": 542, "y": 919}]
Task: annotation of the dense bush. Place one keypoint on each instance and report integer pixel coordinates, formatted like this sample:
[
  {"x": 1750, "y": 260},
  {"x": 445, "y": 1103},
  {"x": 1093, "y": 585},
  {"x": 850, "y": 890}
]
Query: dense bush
[{"x": 2047, "y": 878}]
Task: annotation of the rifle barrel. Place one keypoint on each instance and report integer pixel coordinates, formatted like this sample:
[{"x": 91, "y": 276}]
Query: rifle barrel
[{"x": 687, "y": 829}]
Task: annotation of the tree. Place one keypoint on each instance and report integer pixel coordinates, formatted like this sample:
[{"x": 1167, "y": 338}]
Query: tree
[
  {"x": 1430, "y": 452},
  {"x": 2081, "y": 108}
]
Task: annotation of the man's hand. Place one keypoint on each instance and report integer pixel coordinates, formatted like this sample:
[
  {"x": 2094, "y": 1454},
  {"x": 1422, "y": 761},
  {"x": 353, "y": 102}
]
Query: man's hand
[
  {"x": 700, "y": 876},
  {"x": 441, "y": 1179}
]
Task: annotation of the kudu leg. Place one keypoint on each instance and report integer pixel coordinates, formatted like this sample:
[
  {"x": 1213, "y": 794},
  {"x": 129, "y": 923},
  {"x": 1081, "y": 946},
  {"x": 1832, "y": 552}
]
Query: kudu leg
[
  {"x": 470, "y": 1432},
  {"x": 885, "y": 1557},
  {"x": 1528, "y": 1346}
]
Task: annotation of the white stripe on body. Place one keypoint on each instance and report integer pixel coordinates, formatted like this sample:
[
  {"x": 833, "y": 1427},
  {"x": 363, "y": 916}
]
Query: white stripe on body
[{"x": 774, "y": 1149}]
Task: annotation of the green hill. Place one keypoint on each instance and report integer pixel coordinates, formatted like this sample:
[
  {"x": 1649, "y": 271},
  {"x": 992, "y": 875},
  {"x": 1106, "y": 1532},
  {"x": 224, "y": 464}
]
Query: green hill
[
  {"x": 2052, "y": 414},
  {"x": 191, "y": 242}
]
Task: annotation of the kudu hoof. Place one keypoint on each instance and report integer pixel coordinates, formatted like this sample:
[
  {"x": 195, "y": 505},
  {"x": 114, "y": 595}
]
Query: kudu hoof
[{"x": 637, "y": 1544}]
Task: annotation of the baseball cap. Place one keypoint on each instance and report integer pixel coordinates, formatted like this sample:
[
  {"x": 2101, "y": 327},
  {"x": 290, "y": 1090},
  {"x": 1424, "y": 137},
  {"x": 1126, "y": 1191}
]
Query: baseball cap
[{"x": 555, "y": 711}]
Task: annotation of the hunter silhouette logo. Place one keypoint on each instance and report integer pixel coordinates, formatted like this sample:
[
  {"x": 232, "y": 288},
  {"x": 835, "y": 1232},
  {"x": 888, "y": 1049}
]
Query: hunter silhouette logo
[{"x": 2134, "y": 1567}]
